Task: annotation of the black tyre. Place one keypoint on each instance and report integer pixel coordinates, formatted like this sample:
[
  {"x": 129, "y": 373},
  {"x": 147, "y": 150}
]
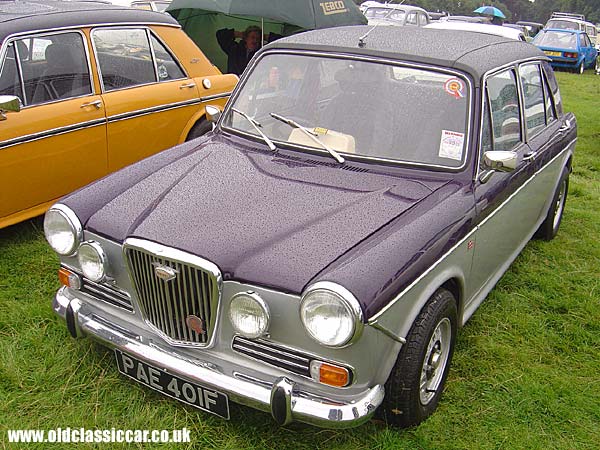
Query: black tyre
[
  {"x": 200, "y": 128},
  {"x": 417, "y": 380},
  {"x": 549, "y": 227}
]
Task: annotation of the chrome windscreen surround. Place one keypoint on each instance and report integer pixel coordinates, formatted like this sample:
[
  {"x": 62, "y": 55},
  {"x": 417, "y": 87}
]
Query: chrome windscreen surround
[{"x": 178, "y": 293}]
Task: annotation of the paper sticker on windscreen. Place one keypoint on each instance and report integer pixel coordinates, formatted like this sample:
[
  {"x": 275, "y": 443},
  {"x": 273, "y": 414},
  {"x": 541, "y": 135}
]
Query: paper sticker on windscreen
[{"x": 451, "y": 145}]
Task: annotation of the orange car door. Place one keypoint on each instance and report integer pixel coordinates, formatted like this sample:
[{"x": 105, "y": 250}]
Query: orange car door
[
  {"x": 149, "y": 98},
  {"x": 57, "y": 142}
]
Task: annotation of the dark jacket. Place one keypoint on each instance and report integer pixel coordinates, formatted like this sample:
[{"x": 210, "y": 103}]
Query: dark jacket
[{"x": 238, "y": 55}]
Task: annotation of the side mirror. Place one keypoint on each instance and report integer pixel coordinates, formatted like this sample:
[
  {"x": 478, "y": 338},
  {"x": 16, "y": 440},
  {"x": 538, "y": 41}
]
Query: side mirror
[
  {"x": 9, "y": 103},
  {"x": 213, "y": 113},
  {"x": 500, "y": 161}
]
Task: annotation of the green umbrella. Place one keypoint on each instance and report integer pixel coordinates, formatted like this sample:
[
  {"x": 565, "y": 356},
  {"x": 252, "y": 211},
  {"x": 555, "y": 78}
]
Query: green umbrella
[{"x": 201, "y": 19}]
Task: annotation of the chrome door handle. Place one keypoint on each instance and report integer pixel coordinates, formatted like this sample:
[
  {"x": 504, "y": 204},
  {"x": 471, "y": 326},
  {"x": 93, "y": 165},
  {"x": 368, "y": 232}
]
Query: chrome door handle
[
  {"x": 565, "y": 127},
  {"x": 529, "y": 156},
  {"x": 187, "y": 86},
  {"x": 96, "y": 103}
]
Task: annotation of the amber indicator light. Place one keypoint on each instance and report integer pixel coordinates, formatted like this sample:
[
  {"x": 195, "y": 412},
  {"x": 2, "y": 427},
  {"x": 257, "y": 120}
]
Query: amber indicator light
[
  {"x": 333, "y": 375},
  {"x": 63, "y": 276}
]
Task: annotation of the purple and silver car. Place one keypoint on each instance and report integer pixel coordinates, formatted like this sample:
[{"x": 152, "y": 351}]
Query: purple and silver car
[{"x": 315, "y": 255}]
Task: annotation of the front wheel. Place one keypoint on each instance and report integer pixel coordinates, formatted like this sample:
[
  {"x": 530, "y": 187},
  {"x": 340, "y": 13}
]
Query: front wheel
[
  {"x": 415, "y": 385},
  {"x": 549, "y": 227},
  {"x": 581, "y": 68},
  {"x": 199, "y": 129}
]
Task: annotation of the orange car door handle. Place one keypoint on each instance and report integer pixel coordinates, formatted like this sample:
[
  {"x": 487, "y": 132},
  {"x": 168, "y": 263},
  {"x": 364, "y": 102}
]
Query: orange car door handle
[
  {"x": 96, "y": 103},
  {"x": 187, "y": 86}
]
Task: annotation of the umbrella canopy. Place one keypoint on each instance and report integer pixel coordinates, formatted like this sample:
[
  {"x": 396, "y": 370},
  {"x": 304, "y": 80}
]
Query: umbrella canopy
[
  {"x": 490, "y": 11},
  {"x": 201, "y": 19}
]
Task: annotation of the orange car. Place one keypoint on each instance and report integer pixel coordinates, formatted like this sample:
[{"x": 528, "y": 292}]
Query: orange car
[{"x": 100, "y": 87}]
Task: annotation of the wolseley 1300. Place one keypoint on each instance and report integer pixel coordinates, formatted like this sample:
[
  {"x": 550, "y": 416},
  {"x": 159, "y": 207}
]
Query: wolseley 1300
[{"x": 315, "y": 255}]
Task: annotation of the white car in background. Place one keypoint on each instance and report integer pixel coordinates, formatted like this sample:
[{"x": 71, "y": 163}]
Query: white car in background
[
  {"x": 498, "y": 30},
  {"x": 396, "y": 15}
]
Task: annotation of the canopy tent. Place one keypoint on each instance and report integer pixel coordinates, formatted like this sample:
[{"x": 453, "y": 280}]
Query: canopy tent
[{"x": 201, "y": 19}]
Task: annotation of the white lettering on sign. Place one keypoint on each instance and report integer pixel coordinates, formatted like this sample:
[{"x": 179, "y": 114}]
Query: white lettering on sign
[{"x": 333, "y": 7}]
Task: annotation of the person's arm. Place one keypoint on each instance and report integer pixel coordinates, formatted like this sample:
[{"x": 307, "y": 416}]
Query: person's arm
[{"x": 226, "y": 39}]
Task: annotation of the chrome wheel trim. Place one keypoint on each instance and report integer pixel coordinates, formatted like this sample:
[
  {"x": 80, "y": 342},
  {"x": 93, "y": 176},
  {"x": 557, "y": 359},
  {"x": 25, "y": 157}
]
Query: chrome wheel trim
[
  {"x": 436, "y": 359},
  {"x": 559, "y": 206}
]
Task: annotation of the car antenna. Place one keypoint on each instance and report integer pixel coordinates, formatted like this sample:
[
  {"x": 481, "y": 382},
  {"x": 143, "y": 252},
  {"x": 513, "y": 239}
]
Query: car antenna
[{"x": 361, "y": 40}]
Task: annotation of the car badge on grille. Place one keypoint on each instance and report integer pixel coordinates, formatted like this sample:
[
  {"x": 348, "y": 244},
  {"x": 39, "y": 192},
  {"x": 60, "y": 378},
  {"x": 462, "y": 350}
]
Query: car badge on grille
[
  {"x": 165, "y": 273},
  {"x": 195, "y": 323}
]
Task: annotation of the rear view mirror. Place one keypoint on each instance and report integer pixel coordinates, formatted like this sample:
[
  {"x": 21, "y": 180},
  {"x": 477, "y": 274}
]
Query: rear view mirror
[
  {"x": 213, "y": 113},
  {"x": 9, "y": 103}
]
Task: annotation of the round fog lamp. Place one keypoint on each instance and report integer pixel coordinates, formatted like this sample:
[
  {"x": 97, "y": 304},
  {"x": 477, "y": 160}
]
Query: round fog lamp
[
  {"x": 249, "y": 314},
  {"x": 62, "y": 229},
  {"x": 92, "y": 261}
]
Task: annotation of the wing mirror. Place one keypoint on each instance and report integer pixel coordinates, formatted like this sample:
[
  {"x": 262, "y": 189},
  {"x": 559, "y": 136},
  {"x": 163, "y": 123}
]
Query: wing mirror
[
  {"x": 500, "y": 161},
  {"x": 9, "y": 103},
  {"x": 213, "y": 113}
]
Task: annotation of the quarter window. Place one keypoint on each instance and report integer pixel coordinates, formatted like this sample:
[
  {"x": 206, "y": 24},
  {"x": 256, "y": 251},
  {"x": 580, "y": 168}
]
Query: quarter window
[
  {"x": 411, "y": 19},
  {"x": 10, "y": 83},
  {"x": 124, "y": 57},
  {"x": 550, "y": 113},
  {"x": 166, "y": 66},
  {"x": 553, "y": 86},
  {"x": 533, "y": 96},
  {"x": 504, "y": 100},
  {"x": 54, "y": 67}
]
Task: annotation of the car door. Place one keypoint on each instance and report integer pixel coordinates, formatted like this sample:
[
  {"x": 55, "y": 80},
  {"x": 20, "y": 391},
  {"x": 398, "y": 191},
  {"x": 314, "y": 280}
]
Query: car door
[
  {"x": 504, "y": 218},
  {"x": 149, "y": 98},
  {"x": 57, "y": 142},
  {"x": 589, "y": 49}
]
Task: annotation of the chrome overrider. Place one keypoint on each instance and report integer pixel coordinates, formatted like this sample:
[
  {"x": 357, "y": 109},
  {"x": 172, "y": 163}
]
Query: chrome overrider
[{"x": 282, "y": 398}]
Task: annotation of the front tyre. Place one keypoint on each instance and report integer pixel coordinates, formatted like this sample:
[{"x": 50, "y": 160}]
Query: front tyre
[
  {"x": 581, "y": 68},
  {"x": 415, "y": 385},
  {"x": 200, "y": 128}
]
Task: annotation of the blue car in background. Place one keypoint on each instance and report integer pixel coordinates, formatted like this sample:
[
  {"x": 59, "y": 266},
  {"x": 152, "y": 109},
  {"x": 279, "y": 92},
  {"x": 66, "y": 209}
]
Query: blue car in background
[{"x": 571, "y": 49}]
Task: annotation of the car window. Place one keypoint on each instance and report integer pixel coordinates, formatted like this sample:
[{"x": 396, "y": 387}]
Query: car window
[
  {"x": 124, "y": 57},
  {"x": 486, "y": 131},
  {"x": 550, "y": 112},
  {"x": 504, "y": 100},
  {"x": 166, "y": 65},
  {"x": 370, "y": 109},
  {"x": 557, "y": 39},
  {"x": 586, "y": 41},
  {"x": 553, "y": 86},
  {"x": 563, "y": 25},
  {"x": 411, "y": 19},
  {"x": 10, "y": 83},
  {"x": 423, "y": 19},
  {"x": 533, "y": 98},
  {"x": 54, "y": 67}
]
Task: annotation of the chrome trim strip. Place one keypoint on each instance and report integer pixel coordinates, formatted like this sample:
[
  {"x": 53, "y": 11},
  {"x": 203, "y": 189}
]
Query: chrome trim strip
[
  {"x": 265, "y": 357},
  {"x": 152, "y": 110},
  {"x": 272, "y": 348},
  {"x": 365, "y": 58},
  {"x": 215, "y": 96},
  {"x": 52, "y": 132},
  {"x": 373, "y": 320},
  {"x": 99, "y": 292}
]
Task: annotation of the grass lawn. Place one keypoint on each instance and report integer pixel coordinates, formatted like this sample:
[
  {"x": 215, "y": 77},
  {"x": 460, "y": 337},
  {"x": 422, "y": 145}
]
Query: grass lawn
[{"x": 526, "y": 371}]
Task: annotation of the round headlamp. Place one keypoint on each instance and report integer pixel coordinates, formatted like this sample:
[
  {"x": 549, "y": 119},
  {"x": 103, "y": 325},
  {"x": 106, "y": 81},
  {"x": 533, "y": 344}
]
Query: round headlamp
[
  {"x": 92, "y": 261},
  {"x": 62, "y": 229},
  {"x": 331, "y": 314},
  {"x": 249, "y": 314}
]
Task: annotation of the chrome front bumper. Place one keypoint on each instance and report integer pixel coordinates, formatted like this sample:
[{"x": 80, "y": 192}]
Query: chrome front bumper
[{"x": 282, "y": 398}]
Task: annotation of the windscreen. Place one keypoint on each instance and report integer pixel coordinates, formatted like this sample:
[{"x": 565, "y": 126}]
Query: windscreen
[
  {"x": 356, "y": 107},
  {"x": 556, "y": 39},
  {"x": 563, "y": 24}
]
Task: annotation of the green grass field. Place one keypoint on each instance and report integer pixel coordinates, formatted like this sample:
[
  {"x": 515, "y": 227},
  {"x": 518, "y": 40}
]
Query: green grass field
[{"x": 526, "y": 372}]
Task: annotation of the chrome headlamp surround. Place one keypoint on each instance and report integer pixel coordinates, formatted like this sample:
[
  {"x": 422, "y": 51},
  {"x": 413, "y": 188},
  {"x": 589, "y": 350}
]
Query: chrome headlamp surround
[
  {"x": 346, "y": 299},
  {"x": 73, "y": 223},
  {"x": 262, "y": 306},
  {"x": 98, "y": 252}
]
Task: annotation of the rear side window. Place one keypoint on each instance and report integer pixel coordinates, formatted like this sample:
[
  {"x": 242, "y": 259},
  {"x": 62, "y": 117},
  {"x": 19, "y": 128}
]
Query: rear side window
[
  {"x": 504, "y": 102},
  {"x": 124, "y": 57},
  {"x": 553, "y": 86},
  {"x": 533, "y": 98},
  {"x": 10, "y": 83},
  {"x": 54, "y": 67},
  {"x": 167, "y": 67}
]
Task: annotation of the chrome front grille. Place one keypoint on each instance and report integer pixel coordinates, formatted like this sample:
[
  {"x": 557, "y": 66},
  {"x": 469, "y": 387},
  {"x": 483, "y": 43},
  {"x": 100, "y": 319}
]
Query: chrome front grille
[
  {"x": 106, "y": 293},
  {"x": 183, "y": 308},
  {"x": 273, "y": 354}
]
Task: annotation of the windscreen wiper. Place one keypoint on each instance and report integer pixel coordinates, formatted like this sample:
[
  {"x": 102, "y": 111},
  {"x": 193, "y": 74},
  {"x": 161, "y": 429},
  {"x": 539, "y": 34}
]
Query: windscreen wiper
[
  {"x": 310, "y": 134},
  {"x": 256, "y": 126}
]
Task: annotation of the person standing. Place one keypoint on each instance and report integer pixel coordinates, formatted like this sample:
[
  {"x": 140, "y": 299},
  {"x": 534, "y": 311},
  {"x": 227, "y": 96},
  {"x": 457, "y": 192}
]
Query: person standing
[{"x": 239, "y": 53}]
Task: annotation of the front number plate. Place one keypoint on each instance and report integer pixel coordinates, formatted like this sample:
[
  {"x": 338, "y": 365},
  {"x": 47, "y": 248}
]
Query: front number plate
[{"x": 193, "y": 394}]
